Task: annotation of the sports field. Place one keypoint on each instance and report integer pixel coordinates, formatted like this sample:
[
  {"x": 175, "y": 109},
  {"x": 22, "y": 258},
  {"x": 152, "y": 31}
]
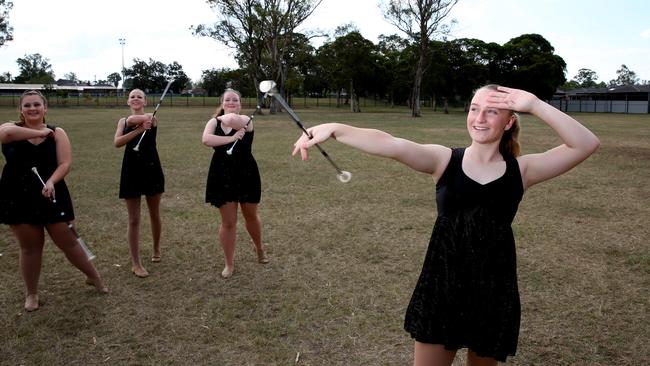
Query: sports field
[{"x": 344, "y": 257}]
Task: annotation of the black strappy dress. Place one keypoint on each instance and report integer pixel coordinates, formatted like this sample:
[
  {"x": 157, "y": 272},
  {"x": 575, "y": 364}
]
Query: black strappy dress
[
  {"x": 467, "y": 295},
  {"x": 236, "y": 177},
  {"x": 21, "y": 200}
]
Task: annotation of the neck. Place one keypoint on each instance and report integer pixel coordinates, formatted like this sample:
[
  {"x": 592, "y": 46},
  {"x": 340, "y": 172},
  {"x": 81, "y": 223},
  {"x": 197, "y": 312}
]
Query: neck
[{"x": 484, "y": 153}]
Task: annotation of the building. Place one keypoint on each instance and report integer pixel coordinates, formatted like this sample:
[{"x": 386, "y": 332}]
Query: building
[{"x": 621, "y": 99}]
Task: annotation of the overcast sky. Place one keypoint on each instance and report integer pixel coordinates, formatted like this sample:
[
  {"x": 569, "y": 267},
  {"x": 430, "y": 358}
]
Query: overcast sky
[{"x": 81, "y": 36}]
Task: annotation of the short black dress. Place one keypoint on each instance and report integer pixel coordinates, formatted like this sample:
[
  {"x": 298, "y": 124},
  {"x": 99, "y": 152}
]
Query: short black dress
[
  {"x": 233, "y": 178},
  {"x": 142, "y": 172},
  {"x": 21, "y": 200},
  {"x": 467, "y": 295}
]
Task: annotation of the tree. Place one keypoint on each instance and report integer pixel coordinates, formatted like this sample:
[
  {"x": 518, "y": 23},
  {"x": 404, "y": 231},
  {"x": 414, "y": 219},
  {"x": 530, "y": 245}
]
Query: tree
[
  {"x": 238, "y": 26},
  {"x": 258, "y": 30},
  {"x": 71, "y": 76},
  {"x": 624, "y": 76},
  {"x": 6, "y": 31},
  {"x": 34, "y": 69},
  {"x": 150, "y": 77},
  {"x": 350, "y": 62},
  {"x": 114, "y": 78},
  {"x": 532, "y": 66},
  {"x": 586, "y": 78},
  {"x": 420, "y": 20},
  {"x": 6, "y": 77},
  {"x": 175, "y": 71},
  {"x": 396, "y": 57},
  {"x": 216, "y": 81}
]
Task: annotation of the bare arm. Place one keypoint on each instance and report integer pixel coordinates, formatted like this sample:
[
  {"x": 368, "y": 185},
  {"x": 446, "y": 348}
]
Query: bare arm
[
  {"x": 64, "y": 162},
  {"x": 236, "y": 121},
  {"x": 10, "y": 132},
  {"x": 120, "y": 139},
  {"x": 579, "y": 142},
  {"x": 428, "y": 159},
  {"x": 211, "y": 140},
  {"x": 137, "y": 119}
]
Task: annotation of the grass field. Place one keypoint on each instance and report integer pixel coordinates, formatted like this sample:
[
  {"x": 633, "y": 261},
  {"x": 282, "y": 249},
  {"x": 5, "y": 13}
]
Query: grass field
[{"x": 344, "y": 257}]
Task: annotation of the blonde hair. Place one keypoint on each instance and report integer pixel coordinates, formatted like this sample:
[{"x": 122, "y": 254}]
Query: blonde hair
[
  {"x": 219, "y": 111},
  {"x": 509, "y": 146},
  {"x": 26, "y": 94}
]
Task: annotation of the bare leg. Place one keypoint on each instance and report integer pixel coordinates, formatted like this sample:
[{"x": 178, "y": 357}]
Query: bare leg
[
  {"x": 254, "y": 228},
  {"x": 153, "y": 203},
  {"x": 432, "y": 355},
  {"x": 228, "y": 236},
  {"x": 65, "y": 240},
  {"x": 31, "y": 239},
  {"x": 474, "y": 360},
  {"x": 133, "y": 236}
]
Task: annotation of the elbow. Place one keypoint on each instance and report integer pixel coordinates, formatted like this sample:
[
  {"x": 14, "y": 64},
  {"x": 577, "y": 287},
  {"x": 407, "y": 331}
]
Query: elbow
[
  {"x": 205, "y": 141},
  {"x": 594, "y": 144}
]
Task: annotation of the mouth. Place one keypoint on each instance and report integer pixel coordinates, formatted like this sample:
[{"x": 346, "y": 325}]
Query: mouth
[{"x": 480, "y": 128}]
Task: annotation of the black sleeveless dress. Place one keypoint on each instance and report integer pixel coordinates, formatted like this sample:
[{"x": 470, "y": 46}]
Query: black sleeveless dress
[
  {"x": 467, "y": 295},
  {"x": 21, "y": 200},
  {"x": 236, "y": 177},
  {"x": 142, "y": 172}
]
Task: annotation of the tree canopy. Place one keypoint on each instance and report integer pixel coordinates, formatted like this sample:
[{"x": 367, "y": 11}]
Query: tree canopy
[{"x": 6, "y": 31}]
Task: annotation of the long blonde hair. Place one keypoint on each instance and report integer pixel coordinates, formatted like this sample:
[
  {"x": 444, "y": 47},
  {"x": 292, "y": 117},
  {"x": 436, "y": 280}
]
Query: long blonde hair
[
  {"x": 26, "y": 94},
  {"x": 220, "y": 107},
  {"x": 509, "y": 146}
]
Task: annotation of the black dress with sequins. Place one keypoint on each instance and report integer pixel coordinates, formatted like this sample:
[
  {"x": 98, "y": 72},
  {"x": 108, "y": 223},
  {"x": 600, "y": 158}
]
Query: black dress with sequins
[
  {"x": 236, "y": 177},
  {"x": 467, "y": 294}
]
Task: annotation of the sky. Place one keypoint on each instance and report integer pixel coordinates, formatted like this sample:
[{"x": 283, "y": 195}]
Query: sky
[{"x": 82, "y": 36}]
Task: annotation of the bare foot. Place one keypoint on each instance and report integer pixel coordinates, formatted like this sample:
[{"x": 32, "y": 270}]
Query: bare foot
[
  {"x": 99, "y": 285},
  {"x": 155, "y": 258},
  {"x": 227, "y": 272},
  {"x": 262, "y": 257},
  {"x": 31, "y": 302},
  {"x": 140, "y": 272}
]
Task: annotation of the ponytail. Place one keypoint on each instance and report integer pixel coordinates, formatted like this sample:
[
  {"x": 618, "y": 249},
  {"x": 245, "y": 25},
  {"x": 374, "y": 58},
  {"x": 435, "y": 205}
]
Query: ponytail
[{"x": 509, "y": 146}]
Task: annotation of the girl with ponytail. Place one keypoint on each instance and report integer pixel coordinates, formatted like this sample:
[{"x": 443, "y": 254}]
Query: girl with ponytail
[{"x": 467, "y": 295}]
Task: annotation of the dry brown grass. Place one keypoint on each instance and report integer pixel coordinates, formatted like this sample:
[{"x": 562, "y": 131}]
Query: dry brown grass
[{"x": 344, "y": 257}]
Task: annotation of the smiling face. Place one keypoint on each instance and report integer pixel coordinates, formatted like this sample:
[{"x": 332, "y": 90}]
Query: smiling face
[
  {"x": 231, "y": 102},
  {"x": 486, "y": 124},
  {"x": 32, "y": 108},
  {"x": 137, "y": 100}
]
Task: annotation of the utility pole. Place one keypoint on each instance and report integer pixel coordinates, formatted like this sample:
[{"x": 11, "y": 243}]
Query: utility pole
[{"x": 122, "y": 43}]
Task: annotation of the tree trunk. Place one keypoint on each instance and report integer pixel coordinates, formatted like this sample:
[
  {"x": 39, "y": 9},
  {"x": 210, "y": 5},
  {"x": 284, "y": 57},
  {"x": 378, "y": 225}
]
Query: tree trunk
[{"x": 417, "y": 85}]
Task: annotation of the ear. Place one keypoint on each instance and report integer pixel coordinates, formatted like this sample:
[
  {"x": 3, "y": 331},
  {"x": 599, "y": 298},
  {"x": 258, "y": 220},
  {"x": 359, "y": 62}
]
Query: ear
[{"x": 511, "y": 121}]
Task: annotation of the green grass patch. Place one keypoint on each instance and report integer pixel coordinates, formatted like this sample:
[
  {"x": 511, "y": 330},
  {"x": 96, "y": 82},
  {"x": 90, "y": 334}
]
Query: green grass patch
[{"x": 344, "y": 257}]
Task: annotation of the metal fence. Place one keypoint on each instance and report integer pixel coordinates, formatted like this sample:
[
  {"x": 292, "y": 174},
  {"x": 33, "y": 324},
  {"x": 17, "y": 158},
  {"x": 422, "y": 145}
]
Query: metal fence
[{"x": 171, "y": 100}]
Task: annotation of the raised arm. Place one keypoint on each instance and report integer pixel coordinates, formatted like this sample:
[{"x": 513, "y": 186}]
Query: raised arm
[
  {"x": 146, "y": 119},
  {"x": 120, "y": 139},
  {"x": 430, "y": 159},
  {"x": 211, "y": 140},
  {"x": 236, "y": 121},
  {"x": 10, "y": 132},
  {"x": 579, "y": 142}
]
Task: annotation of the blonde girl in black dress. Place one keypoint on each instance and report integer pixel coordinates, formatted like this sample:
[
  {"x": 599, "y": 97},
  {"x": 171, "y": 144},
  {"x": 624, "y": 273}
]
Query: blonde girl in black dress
[
  {"x": 233, "y": 179},
  {"x": 27, "y": 206},
  {"x": 141, "y": 175},
  {"x": 466, "y": 295}
]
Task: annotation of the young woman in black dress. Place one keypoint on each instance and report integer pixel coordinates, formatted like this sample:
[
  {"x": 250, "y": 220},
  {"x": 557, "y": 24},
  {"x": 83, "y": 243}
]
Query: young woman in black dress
[
  {"x": 467, "y": 295},
  {"x": 233, "y": 179},
  {"x": 141, "y": 174},
  {"x": 28, "y": 206}
]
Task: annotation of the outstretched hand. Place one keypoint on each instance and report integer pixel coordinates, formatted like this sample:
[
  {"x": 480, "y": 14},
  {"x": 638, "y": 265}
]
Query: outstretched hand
[
  {"x": 514, "y": 99},
  {"x": 317, "y": 134}
]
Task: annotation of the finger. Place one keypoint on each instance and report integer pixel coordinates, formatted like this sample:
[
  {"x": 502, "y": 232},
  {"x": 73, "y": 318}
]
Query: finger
[{"x": 505, "y": 89}]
